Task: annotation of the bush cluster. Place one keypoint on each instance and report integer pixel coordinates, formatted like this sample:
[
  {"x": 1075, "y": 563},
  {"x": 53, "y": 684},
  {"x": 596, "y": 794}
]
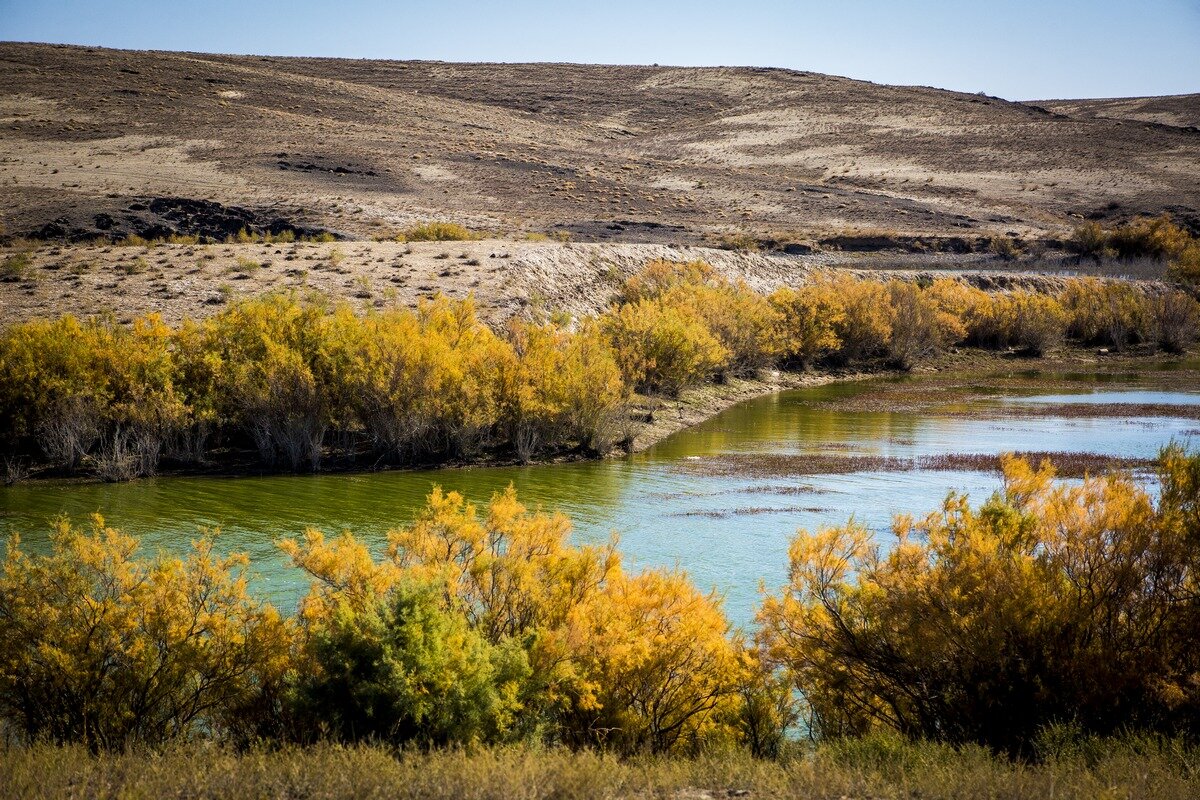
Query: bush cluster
[
  {"x": 1144, "y": 237},
  {"x": 473, "y": 628},
  {"x": 1051, "y": 604},
  {"x": 1053, "y": 613},
  {"x": 679, "y": 324},
  {"x": 300, "y": 381},
  {"x": 296, "y": 379}
]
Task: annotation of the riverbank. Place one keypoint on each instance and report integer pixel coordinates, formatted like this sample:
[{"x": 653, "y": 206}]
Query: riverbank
[
  {"x": 950, "y": 381},
  {"x": 958, "y": 374}
]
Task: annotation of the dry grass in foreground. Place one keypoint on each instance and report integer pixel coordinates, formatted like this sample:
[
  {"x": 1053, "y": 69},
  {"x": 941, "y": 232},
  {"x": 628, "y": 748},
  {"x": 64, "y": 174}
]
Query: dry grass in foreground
[{"x": 874, "y": 767}]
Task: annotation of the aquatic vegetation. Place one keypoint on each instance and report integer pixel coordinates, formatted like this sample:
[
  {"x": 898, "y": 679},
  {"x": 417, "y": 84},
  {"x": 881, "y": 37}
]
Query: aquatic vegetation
[{"x": 760, "y": 465}]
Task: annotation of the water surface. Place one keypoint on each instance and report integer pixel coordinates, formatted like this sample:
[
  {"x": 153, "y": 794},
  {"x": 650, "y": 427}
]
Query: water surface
[{"x": 730, "y": 533}]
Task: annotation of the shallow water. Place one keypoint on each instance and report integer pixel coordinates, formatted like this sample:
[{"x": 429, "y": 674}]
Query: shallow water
[{"x": 730, "y": 533}]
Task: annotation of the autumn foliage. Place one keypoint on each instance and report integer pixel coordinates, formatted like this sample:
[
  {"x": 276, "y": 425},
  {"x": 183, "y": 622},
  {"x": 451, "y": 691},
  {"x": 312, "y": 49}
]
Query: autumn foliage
[
  {"x": 474, "y": 627},
  {"x": 301, "y": 383},
  {"x": 1051, "y": 604},
  {"x": 296, "y": 380},
  {"x": 564, "y": 643},
  {"x": 103, "y": 647},
  {"x": 1144, "y": 237}
]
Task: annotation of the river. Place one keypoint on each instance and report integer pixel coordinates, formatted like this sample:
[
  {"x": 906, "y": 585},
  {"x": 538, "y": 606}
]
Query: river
[{"x": 727, "y": 531}]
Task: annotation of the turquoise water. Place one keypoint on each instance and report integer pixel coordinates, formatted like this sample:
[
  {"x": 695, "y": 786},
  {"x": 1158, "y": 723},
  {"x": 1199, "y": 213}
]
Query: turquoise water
[{"x": 730, "y": 533}]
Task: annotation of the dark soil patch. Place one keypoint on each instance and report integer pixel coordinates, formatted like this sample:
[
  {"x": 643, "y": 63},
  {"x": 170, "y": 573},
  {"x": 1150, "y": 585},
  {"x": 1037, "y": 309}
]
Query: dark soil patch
[{"x": 160, "y": 217}]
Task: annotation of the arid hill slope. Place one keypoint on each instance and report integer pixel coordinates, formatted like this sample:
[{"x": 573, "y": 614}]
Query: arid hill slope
[
  {"x": 95, "y": 140},
  {"x": 1180, "y": 110}
]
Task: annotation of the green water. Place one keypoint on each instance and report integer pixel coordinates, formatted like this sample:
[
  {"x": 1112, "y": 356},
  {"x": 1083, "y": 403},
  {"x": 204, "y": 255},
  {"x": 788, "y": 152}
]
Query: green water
[{"x": 730, "y": 533}]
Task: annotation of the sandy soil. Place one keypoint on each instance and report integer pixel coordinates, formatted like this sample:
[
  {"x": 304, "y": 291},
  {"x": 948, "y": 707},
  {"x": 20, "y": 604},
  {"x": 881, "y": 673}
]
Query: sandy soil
[{"x": 505, "y": 277}]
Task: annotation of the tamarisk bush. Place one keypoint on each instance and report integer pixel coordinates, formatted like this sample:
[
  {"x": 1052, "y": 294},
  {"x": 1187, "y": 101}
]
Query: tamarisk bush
[
  {"x": 1051, "y": 603},
  {"x": 102, "y": 648},
  {"x": 299, "y": 380}
]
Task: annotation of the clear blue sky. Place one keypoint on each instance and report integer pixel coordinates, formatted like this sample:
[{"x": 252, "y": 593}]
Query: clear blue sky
[{"x": 1021, "y": 49}]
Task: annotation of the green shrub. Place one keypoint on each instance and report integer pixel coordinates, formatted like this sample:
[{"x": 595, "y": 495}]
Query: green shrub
[{"x": 409, "y": 669}]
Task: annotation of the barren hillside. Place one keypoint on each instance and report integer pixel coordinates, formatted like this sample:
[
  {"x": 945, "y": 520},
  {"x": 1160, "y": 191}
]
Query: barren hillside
[
  {"x": 1179, "y": 111},
  {"x": 108, "y": 141}
]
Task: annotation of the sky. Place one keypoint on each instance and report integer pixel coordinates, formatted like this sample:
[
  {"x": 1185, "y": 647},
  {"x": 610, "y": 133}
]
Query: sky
[{"x": 1019, "y": 49}]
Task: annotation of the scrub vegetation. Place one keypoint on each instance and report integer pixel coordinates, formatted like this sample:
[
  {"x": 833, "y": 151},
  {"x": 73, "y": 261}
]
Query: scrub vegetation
[
  {"x": 1045, "y": 638},
  {"x": 304, "y": 385},
  {"x": 1144, "y": 237}
]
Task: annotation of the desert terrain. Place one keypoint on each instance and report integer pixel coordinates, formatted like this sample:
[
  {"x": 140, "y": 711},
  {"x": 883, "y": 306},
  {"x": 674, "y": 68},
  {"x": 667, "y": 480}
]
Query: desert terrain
[
  {"x": 110, "y": 142},
  {"x": 766, "y": 173}
]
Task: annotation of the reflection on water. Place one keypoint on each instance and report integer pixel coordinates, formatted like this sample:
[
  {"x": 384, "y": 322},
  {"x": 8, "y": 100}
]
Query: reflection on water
[{"x": 727, "y": 532}]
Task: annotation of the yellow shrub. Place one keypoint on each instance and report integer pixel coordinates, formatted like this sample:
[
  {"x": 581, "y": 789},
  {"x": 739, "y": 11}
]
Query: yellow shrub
[
  {"x": 1152, "y": 237},
  {"x": 662, "y": 348},
  {"x": 960, "y": 304},
  {"x": 809, "y": 318},
  {"x": 95, "y": 391},
  {"x": 272, "y": 379},
  {"x": 563, "y": 386},
  {"x": 1149, "y": 236},
  {"x": 100, "y": 647},
  {"x": 920, "y": 328},
  {"x": 1185, "y": 266},
  {"x": 1050, "y": 602},
  {"x": 659, "y": 276},
  {"x": 743, "y": 321},
  {"x": 1105, "y": 312},
  {"x": 866, "y": 328},
  {"x": 658, "y": 666},
  {"x": 437, "y": 232},
  {"x": 513, "y": 570},
  {"x": 1032, "y": 322}
]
